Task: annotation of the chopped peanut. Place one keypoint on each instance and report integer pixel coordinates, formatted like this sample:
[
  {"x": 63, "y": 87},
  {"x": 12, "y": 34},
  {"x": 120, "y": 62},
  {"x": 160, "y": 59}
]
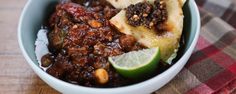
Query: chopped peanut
[{"x": 101, "y": 76}]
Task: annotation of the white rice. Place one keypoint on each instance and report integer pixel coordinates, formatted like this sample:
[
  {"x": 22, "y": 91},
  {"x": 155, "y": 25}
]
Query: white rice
[{"x": 41, "y": 45}]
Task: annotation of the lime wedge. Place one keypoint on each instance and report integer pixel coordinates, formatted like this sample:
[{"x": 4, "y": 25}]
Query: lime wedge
[{"x": 136, "y": 63}]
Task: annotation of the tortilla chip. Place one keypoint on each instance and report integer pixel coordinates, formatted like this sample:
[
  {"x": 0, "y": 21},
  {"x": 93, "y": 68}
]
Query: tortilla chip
[{"x": 167, "y": 42}]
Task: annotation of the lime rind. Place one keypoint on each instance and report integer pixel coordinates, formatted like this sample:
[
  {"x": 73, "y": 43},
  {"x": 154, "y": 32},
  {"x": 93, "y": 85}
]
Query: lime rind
[{"x": 143, "y": 68}]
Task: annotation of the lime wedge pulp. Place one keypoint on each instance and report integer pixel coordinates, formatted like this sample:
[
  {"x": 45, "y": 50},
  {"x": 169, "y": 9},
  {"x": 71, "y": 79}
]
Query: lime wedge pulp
[{"x": 136, "y": 63}]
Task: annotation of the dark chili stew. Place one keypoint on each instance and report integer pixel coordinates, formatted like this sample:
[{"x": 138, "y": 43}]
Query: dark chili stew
[{"x": 80, "y": 41}]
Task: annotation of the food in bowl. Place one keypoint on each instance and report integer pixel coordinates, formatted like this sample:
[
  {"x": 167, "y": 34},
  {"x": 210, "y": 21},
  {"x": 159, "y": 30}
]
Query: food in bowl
[{"x": 83, "y": 34}]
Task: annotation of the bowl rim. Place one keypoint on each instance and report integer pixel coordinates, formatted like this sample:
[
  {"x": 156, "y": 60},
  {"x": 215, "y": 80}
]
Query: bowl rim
[{"x": 129, "y": 88}]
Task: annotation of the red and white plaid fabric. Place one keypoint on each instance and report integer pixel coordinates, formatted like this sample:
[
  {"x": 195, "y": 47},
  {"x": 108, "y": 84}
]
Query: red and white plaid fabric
[{"x": 212, "y": 66}]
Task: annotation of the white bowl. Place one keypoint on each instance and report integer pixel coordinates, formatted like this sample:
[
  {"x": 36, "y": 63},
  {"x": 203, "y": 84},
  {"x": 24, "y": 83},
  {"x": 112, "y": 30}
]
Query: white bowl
[{"x": 36, "y": 11}]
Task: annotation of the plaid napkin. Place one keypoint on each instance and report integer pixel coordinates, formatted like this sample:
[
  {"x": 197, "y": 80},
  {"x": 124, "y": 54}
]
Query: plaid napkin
[{"x": 212, "y": 66}]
